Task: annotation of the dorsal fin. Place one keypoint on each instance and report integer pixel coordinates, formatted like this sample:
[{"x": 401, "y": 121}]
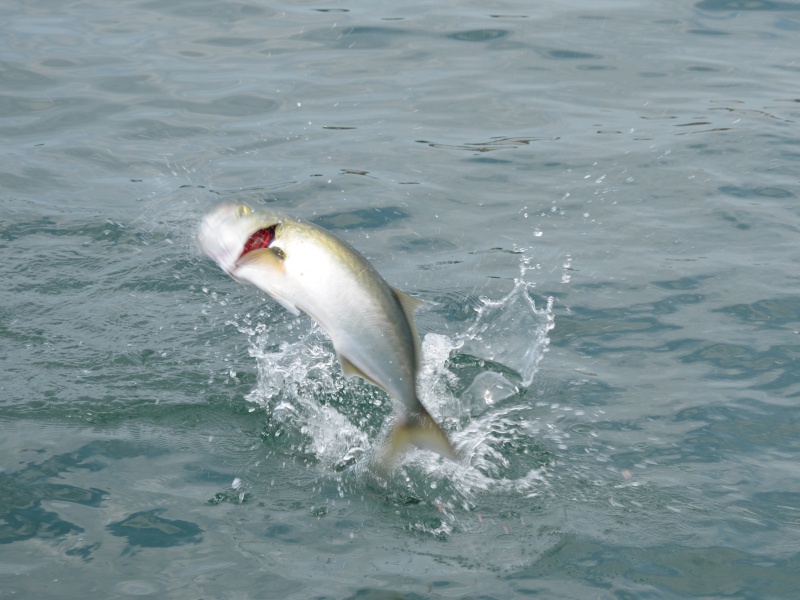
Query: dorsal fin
[{"x": 409, "y": 305}]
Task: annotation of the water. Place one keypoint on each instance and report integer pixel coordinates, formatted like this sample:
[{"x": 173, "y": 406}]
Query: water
[{"x": 595, "y": 200}]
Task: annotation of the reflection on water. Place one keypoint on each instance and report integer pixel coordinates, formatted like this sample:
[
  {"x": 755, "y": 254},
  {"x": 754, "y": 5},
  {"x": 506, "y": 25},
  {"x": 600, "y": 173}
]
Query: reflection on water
[
  {"x": 25, "y": 493},
  {"x": 147, "y": 529}
]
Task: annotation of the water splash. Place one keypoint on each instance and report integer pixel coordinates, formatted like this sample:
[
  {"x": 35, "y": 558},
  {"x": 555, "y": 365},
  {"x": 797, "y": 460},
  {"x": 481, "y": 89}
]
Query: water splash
[
  {"x": 300, "y": 383},
  {"x": 511, "y": 331},
  {"x": 473, "y": 382}
]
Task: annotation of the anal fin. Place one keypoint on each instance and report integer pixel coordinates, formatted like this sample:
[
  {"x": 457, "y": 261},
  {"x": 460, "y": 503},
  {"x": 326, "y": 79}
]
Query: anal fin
[{"x": 350, "y": 369}]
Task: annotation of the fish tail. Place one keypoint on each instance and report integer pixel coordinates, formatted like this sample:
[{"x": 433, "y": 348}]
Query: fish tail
[{"x": 420, "y": 430}]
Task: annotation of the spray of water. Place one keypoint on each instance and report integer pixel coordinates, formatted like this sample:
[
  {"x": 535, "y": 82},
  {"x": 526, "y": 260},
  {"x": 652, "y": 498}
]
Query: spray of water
[{"x": 474, "y": 382}]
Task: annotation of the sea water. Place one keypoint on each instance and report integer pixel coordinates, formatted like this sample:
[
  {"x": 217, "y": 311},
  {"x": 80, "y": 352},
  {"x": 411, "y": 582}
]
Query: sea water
[{"x": 596, "y": 203}]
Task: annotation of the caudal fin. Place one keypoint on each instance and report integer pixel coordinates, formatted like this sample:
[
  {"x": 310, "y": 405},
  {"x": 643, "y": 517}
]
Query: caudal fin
[{"x": 417, "y": 430}]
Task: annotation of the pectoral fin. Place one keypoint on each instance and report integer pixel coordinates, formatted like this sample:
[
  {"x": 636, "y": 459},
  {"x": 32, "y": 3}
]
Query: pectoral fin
[
  {"x": 264, "y": 268},
  {"x": 262, "y": 258}
]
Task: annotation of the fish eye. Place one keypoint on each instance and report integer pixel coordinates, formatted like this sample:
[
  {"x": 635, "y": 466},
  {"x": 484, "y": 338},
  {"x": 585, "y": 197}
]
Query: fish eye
[{"x": 243, "y": 210}]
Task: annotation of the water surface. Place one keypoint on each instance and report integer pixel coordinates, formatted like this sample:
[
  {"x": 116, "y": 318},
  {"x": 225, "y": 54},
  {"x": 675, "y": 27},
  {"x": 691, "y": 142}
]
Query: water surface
[{"x": 595, "y": 200}]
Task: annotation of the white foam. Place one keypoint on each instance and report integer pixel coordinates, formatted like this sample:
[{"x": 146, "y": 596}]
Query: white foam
[{"x": 482, "y": 406}]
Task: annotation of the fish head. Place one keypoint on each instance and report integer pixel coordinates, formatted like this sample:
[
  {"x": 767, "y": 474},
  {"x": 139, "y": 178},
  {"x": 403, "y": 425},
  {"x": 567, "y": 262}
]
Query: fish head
[
  {"x": 250, "y": 245},
  {"x": 234, "y": 234}
]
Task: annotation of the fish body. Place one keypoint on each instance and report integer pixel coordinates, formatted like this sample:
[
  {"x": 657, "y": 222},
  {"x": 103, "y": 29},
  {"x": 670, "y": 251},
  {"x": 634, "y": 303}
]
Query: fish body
[{"x": 307, "y": 269}]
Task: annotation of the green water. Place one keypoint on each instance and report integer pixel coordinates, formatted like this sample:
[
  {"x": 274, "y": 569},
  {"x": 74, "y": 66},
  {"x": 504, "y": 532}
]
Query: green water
[{"x": 597, "y": 203}]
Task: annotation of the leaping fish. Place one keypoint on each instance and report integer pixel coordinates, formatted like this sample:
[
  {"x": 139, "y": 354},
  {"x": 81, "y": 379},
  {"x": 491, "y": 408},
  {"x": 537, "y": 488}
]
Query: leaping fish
[{"x": 307, "y": 269}]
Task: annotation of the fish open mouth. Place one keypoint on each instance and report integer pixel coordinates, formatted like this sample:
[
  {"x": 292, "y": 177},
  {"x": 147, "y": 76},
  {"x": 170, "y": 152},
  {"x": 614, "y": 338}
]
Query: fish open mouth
[{"x": 258, "y": 240}]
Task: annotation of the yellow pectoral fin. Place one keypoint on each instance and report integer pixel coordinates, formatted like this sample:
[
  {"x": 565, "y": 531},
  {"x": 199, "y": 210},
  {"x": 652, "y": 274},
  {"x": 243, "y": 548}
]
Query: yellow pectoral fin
[
  {"x": 270, "y": 259},
  {"x": 264, "y": 268}
]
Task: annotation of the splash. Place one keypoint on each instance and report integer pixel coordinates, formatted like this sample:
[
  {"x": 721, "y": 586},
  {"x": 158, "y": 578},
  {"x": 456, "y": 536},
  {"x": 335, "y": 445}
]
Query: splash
[
  {"x": 511, "y": 331},
  {"x": 474, "y": 382},
  {"x": 300, "y": 384}
]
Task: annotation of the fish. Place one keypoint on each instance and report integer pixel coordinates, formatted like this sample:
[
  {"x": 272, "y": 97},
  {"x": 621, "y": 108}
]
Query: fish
[{"x": 307, "y": 269}]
